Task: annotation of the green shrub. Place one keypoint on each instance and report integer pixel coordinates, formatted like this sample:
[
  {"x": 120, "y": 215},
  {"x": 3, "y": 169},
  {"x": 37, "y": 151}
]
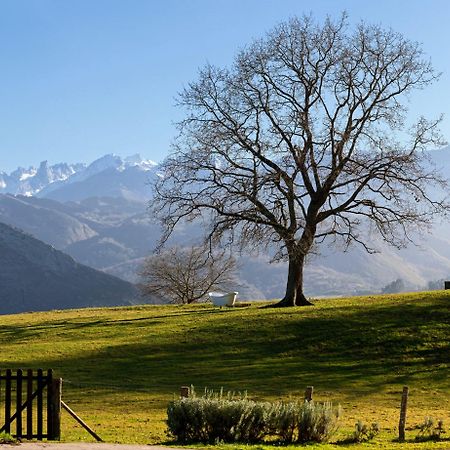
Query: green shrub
[
  {"x": 283, "y": 421},
  {"x": 6, "y": 438},
  {"x": 317, "y": 422},
  {"x": 363, "y": 432},
  {"x": 304, "y": 421},
  {"x": 428, "y": 430},
  {"x": 216, "y": 417}
]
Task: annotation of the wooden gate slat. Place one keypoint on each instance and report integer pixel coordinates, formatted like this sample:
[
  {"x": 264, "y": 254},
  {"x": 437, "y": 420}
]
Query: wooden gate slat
[
  {"x": 40, "y": 385},
  {"x": 30, "y": 404},
  {"x": 8, "y": 401},
  {"x": 19, "y": 404},
  {"x": 50, "y": 433}
]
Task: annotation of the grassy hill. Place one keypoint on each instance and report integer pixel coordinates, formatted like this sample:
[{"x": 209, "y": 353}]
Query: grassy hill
[{"x": 122, "y": 365}]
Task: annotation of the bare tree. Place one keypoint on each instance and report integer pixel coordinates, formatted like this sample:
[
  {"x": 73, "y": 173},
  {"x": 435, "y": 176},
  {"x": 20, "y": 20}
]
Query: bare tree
[
  {"x": 303, "y": 140},
  {"x": 186, "y": 274}
]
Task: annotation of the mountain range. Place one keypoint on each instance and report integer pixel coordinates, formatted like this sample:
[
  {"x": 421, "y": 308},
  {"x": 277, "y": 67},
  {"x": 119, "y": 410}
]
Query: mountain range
[
  {"x": 98, "y": 215},
  {"x": 107, "y": 176}
]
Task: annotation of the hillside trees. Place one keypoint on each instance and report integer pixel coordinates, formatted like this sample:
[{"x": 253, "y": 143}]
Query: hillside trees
[
  {"x": 303, "y": 141},
  {"x": 394, "y": 287}
]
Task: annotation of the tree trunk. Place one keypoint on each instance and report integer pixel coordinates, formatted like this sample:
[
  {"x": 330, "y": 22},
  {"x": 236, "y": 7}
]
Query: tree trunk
[{"x": 294, "y": 295}]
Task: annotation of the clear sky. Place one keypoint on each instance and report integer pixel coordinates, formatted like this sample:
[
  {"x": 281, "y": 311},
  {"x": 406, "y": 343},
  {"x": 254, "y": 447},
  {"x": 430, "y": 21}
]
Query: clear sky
[{"x": 81, "y": 78}]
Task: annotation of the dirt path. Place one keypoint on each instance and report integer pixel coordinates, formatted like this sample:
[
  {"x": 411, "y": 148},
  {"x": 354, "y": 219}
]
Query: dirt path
[{"x": 81, "y": 446}]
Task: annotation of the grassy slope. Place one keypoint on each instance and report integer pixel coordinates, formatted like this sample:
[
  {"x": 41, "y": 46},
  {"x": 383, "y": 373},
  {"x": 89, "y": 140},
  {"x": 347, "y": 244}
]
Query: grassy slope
[{"x": 358, "y": 352}]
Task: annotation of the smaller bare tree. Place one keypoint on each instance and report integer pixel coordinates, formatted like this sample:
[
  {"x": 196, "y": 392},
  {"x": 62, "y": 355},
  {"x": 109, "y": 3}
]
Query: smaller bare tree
[{"x": 185, "y": 275}]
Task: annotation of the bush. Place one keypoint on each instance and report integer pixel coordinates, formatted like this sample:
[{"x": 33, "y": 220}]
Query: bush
[
  {"x": 429, "y": 431},
  {"x": 304, "y": 421},
  {"x": 6, "y": 438},
  {"x": 216, "y": 417},
  {"x": 318, "y": 422},
  {"x": 283, "y": 421},
  {"x": 364, "y": 433}
]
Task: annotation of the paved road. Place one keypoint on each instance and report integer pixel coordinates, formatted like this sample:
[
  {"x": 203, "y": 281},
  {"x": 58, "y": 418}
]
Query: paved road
[{"x": 82, "y": 446}]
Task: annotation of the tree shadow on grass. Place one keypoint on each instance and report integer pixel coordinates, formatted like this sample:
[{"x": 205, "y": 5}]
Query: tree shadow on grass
[
  {"x": 350, "y": 348},
  {"x": 359, "y": 349},
  {"x": 14, "y": 333}
]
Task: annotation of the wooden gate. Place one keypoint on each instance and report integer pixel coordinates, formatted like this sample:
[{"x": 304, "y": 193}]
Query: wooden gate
[{"x": 32, "y": 404}]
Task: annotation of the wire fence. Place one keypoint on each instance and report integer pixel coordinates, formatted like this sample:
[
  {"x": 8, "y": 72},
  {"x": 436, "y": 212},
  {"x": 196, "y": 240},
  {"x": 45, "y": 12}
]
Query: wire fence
[{"x": 104, "y": 403}]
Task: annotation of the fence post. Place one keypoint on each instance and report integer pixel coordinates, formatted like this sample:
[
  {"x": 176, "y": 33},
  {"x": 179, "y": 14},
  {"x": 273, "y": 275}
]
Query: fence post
[
  {"x": 402, "y": 422},
  {"x": 184, "y": 391},
  {"x": 55, "y": 410},
  {"x": 49, "y": 383},
  {"x": 309, "y": 393}
]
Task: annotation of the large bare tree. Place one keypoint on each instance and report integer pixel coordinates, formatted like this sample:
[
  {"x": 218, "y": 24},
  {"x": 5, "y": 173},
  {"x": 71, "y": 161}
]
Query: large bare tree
[{"x": 304, "y": 139}]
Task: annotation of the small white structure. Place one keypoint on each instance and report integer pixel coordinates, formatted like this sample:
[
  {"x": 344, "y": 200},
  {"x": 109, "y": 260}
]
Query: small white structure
[{"x": 221, "y": 299}]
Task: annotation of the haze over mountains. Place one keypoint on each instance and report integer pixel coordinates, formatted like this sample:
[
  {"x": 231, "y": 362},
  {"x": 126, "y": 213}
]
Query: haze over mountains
[
  {"x": 34, "y": 276},
  {"x": 97, "y": 214}
]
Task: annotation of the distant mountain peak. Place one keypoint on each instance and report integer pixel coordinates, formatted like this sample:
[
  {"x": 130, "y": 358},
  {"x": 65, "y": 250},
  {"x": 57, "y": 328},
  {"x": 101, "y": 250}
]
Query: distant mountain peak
[
  {"x": 133, "y": 159},
  {"x": 136, "y": 160},
  {"x": 47, "y": 178}
]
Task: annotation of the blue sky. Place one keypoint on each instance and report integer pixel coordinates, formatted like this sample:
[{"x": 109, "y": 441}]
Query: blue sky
[{"x": 81, "y": 78}]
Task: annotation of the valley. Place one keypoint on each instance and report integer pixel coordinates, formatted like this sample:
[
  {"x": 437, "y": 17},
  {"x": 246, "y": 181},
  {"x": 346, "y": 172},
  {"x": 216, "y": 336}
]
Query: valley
[{"x": 98, "y": 215}]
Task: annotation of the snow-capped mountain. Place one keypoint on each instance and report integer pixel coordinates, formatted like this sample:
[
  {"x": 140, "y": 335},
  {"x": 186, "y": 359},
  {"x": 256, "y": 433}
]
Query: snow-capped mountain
[
  {"x": 124, "y": 175},
  {"x": 32, "y": 180}
]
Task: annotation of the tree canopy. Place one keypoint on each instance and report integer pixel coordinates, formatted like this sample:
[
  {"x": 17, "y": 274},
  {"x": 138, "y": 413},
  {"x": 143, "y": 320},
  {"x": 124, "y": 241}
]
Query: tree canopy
[{"x": 304, "y": 139}]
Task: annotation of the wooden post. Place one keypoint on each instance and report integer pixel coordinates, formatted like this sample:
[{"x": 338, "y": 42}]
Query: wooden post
[
  {"x": 54, "y": 425},
  {"x": 309, "y": 393},
  {"x": 81, "y": 422},
  {"x": 184, "y": 391},
  {"x": 402, "y": 422}
]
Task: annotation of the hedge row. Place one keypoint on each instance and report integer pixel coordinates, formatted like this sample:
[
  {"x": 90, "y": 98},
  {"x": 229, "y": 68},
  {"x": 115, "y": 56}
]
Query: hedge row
[{"x": 215, "y": 417}]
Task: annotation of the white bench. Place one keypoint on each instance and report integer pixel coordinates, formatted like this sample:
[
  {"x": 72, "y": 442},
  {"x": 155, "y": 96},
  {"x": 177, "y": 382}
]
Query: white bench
[{"x": 221, "y": 299}]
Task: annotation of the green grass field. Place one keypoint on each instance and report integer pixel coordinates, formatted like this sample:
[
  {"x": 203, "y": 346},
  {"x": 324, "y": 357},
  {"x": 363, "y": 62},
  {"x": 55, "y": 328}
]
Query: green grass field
[{"x": 121, "y": 366}]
